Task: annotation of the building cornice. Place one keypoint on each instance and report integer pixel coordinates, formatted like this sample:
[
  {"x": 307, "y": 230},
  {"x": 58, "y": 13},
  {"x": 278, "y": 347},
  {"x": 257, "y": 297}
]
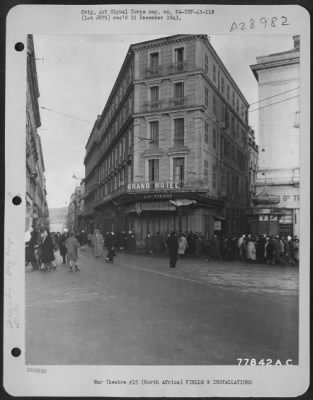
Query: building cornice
[
  {"x": 151, "y": 44},
  {"x": 273, "y": 64}
]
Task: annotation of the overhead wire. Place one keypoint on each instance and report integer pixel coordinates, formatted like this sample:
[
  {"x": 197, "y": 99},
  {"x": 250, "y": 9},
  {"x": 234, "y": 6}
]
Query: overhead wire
[
  {"x": 216, "y": 123},
  {"x": 256, "y": 102},
  {"x": 65, "y": 114},
  {"x": 66, "y": 122}
]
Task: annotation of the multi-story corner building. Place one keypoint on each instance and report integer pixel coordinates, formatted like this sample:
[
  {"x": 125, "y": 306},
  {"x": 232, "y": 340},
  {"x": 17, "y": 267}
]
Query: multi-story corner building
[
  {"x": 278, "y": 197},
  {"x": 37, "y": 213},
  {"x": 170, "y": 149}
]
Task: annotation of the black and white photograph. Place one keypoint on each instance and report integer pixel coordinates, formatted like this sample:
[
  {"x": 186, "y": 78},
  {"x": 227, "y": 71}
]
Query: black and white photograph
[{"x": 162, "y": 220}]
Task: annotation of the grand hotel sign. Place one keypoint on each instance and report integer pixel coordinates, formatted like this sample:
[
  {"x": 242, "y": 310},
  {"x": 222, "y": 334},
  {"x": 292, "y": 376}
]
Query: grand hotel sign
[{"x": 144, "y": 186}]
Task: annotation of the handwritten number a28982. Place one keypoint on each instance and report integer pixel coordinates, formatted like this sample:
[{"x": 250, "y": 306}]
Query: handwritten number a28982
[{"x": 265, "y": 22}]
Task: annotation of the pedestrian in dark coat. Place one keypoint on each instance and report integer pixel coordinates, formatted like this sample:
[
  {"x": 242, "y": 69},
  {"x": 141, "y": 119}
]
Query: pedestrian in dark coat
[
  {"x": 289, "y": 251},
  {"x": 277, "y": 250},
  {"x": 131, "y": 242},
  {"x": 63, "y": 249},
  {"x": 47, "y": 251},
  {"x": 110, "y": 243},
  {"x": 215, "y": 248},
  {"x": 198, "y": 245},
  {"x": 30, "y": 256},
  {"x": 172, "y": 244},
  {"x": 270, "y": 251},
  {"x": 149, "y": 243},
  {"x": 260, "y": 249},
  {"x": 191, "y": 244}
]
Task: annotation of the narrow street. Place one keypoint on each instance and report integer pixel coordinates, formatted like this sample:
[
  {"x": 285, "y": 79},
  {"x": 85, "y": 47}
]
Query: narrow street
[{"x": 138, "y": 311}]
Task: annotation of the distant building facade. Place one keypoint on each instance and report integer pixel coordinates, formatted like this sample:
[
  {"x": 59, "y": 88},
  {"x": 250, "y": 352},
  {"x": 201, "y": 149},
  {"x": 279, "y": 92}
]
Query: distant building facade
[
  {"x": 37, "y": 212},
  {"x": 170, "y": 149},
  {"x": 277, "y": 200},
  {"x": 75, "y": 209},
  {"x": 253, "y": 163}
]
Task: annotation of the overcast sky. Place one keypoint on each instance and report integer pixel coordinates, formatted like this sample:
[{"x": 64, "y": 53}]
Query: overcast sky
[{"x": 76, "y": 75}]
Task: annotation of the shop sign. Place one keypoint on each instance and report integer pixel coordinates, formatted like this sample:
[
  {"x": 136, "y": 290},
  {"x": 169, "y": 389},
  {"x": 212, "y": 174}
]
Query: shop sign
[
  {"x": 217, "y": 225},
  {"x": 157, "y": 196},
  {"x": 153, "y": 186}
]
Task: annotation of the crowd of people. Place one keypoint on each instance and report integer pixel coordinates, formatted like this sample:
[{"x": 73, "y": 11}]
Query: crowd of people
[
  {"x": 281, "y": 250},
  {"x": 41, "y": 247}
]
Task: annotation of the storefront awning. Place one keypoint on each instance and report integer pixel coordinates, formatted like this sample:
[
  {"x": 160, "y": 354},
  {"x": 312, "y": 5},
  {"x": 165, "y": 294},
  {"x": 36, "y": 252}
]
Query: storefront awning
[
  {"x": 182, "y": 202},
  {"x": 88, "y": 213},
  {"x": 149, "y": 206},
  {"x": 219, "y": 217}
]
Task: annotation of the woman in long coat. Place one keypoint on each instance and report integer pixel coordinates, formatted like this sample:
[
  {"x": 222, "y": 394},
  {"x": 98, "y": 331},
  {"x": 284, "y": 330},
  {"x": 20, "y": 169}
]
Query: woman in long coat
[
  {"x": 182, "y": 245},
  {"x": 198, "y": 245},
  {"x": 72, "y": 246},
  {"x": 47, "y": 251},
  {"x": 97, "y": 243},
  {"x": 62, "y": 241},
  {"x": 250, "y": 251}
]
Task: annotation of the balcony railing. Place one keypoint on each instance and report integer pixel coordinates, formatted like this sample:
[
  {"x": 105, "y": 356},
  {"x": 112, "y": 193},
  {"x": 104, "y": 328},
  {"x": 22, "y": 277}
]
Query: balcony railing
[
  {"x": 169, "y": 69},
  {"x": 173, "y": 102}
]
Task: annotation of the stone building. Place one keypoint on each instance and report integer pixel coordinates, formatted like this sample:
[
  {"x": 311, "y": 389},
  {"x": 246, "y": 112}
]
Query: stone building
[
  {"x": 75, "y": 209},
  {"x": 253, "y": 163},
  {"x": 170, "y": 149},
  {"x": 277, "y": 200},
  {"x": 37, "y": 213}
]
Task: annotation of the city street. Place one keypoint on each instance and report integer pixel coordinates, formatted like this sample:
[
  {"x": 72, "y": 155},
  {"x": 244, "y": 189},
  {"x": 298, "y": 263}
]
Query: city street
[{"x": 138, "y": 311}]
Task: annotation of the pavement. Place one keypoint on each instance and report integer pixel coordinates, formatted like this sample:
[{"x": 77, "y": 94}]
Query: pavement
[{"x": 138, "y": 311}]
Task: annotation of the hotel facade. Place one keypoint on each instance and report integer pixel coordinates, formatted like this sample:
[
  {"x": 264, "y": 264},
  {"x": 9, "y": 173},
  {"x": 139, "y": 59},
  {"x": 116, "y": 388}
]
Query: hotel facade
[{"x": 170, "y": 150}]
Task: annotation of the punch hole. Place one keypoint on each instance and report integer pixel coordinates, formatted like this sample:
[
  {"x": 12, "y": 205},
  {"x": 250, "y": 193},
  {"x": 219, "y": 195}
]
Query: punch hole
[
  {"x": 19, "y": 46},
  {"x": 16, "y": 352},
  {"x": 16, "y": 200}
]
